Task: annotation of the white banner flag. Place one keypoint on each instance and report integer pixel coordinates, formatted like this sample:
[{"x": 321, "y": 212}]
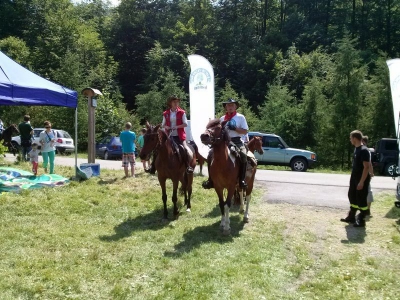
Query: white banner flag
[
  {"x": 394, "y": 71},
  {"x": 202, "y": 103}
]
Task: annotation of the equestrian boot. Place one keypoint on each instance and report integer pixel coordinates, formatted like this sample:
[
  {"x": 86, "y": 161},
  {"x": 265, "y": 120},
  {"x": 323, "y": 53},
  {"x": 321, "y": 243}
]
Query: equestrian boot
[
  {"x": 208, "y": 184},
  {"x": 351, "y": 217},
  {"x": 242, "y": 179},
  {"x": 188, "y": 160}
]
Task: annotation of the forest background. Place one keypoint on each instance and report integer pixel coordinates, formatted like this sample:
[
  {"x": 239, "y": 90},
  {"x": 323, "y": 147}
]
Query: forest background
[{"x": 310, "y": 71}]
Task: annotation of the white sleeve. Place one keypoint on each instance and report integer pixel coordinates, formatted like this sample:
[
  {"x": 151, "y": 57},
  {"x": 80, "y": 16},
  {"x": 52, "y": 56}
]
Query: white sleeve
[
  {"x": 244, "y": 123},
  {"x": 163, "y": 122},
  {"x": 184, "y": 119}
]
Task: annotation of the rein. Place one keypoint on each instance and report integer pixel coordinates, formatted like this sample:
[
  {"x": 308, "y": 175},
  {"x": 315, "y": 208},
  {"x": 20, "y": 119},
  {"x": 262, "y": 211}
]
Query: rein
[{"x": 215, "y": 140}]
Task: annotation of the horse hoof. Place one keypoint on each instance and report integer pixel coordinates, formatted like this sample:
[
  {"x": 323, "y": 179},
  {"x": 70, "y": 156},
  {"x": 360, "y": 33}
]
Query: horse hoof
[
  {"x": 246, "y": 220},
  {"x": 188, "y": 210}
]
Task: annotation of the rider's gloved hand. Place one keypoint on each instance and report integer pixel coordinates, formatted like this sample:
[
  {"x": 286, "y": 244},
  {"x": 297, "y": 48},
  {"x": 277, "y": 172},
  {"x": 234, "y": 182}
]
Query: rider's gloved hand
[{"x": 231, "y": 126}]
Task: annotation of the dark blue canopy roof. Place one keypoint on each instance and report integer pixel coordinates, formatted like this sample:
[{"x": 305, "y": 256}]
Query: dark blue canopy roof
[{"x": 19, "y": 86}]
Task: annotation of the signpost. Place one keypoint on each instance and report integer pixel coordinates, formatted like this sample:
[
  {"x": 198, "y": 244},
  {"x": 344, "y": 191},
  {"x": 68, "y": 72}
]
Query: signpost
[{"x": 92, "y": 104}]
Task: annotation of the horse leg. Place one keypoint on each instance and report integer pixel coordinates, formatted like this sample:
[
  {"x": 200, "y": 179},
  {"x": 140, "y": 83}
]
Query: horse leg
[
  {"x": 246, "y": 213},
  {"x": 175, "y": 198},
  {"x": 219, "y": 192},
  {"x": 164, "y": 197},
  {"x": 227, "y": 206},
  {"x": 188, "y": 193},
  {"x": 242, "y": 196}
]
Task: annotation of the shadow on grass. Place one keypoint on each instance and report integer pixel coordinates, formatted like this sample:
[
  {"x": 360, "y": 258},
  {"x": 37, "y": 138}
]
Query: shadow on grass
[
  {"x": 216, "y": 211},
  {"x": 393, "y": 213},
  {"x": 107, "y": 181},
  {"x": 151, "y": 221},
  {"x": 354, "y": 234},
  {"x": 193, "y": 239}
]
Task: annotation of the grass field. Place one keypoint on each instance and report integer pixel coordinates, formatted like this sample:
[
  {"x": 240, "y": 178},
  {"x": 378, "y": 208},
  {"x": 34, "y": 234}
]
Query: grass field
[{"x": 104, "y": 238}]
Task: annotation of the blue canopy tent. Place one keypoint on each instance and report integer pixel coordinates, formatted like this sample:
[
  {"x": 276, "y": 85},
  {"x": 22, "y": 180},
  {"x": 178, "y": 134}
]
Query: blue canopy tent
[{"x": 19, "y": 86}]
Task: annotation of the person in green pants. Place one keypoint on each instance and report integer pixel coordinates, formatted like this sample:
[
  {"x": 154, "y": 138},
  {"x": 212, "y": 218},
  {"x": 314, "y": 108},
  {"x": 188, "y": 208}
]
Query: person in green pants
[{"x": 47, "y": 139}]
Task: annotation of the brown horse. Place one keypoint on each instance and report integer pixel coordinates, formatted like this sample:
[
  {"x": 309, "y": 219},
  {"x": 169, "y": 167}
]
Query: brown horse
[
  {"x": 224, "y": 169},
  {"x": 255, "y": 144},
  {"x": 200, "y": 159},
  {"x": 7, "y": 135},
  {"x": 169, "y": 165}
]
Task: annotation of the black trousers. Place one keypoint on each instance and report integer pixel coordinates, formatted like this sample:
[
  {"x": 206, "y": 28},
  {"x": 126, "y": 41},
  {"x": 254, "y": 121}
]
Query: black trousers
[{"x": 358, "y": 198}]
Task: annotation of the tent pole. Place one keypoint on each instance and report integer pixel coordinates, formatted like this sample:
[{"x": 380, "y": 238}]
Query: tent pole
[{"x": 76, "y": 142}]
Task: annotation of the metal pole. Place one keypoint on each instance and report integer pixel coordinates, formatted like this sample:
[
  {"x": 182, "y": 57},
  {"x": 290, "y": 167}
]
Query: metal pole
[
  {"x": 76, "y": 142},
  {"x": 91, "y": 142}
]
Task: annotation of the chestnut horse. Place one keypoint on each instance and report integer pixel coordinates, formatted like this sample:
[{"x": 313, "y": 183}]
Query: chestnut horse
[
  {"x": 169, "y": 165},
  {"x": 255, "y": 144},
  {"x": 224, "y": 170},
  {"x": 200, "y": 159}
]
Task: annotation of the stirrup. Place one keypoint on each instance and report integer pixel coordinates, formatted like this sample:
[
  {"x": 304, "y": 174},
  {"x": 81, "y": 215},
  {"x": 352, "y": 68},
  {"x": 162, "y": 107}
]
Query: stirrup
[
  {"x": 242, "y": 184},
  {"x": 208, "y": 184}
]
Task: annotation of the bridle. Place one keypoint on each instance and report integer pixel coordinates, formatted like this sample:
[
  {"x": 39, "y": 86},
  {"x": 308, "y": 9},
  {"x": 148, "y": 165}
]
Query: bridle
[{"x": 215, "y": 140}]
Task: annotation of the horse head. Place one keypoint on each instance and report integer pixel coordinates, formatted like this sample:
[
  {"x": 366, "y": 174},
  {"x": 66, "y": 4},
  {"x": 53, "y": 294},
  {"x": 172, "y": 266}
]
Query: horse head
[
  {"x": 151, "y": 140},
  {"x": 215, "y": 133},
  {"x": 14, "y": 128},
  {"x": 256, "y": 145}
]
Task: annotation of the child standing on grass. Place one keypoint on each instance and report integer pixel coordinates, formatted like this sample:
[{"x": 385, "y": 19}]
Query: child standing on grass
[
  {"x": 127, "y": 138},
  {"x": 34, "y": 157},
  {"x": 140, "y": 142}
]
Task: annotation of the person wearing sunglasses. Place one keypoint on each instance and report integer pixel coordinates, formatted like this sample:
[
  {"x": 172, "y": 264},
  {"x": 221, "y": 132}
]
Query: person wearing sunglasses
[{"x": 47, "y": 139}]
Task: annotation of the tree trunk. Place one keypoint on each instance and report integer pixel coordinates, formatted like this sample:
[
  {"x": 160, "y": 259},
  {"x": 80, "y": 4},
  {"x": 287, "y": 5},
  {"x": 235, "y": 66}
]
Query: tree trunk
[
  {"x": 328, "y": 14},
  {"x": 264, "y": 18},
  {"x": 388, "y": 27}
]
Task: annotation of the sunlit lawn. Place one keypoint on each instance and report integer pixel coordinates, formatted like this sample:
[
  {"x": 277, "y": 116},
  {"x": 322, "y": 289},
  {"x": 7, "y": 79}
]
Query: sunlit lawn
[{"x": 104, "y": 238}]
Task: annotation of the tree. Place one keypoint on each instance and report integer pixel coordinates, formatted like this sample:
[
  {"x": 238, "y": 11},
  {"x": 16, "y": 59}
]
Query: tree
[
  {"x": 348, "y": 78},
  {"x": 151, "y": 104}
]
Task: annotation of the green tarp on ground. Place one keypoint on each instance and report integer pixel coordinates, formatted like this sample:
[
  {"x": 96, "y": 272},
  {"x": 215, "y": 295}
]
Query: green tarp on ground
[{"x": 14, "y": 180}]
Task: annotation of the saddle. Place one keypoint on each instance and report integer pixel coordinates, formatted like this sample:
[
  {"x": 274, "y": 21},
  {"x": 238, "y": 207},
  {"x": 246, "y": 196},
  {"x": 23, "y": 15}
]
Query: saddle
[
  {"x": 251, "y": 159},
  {"x": 178, "y": 149}
]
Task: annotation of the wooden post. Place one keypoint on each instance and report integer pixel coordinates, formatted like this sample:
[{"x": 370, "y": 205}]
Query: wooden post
[{"x": 92, "y": 103}]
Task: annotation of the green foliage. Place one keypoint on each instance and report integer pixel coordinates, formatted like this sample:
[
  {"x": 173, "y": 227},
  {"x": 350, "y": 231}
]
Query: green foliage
[
  {"x": 3, "y": 149},
  {"x": 151, "y": 105},
  {"x": 16, "y": 49},
  {"x": 347, "y": 83}
]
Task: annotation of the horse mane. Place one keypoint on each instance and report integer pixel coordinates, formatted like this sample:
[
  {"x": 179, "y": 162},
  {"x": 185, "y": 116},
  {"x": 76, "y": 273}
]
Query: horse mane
[
  {"x": 213, "y": 123},
  {"x": 162, "y": 134}
]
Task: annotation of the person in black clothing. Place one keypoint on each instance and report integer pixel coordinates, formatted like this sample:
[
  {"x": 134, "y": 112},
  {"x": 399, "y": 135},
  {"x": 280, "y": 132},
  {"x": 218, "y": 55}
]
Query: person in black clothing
[
  {"x": 26, "y": 133},
  {"x": 359, "y": 181}
]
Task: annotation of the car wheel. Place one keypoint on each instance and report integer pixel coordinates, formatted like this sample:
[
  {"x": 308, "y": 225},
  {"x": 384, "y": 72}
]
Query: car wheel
[
  {"x": 106, "y": 155},
  {"x": 298, "y": 165},
  {"x": 391, "y": 170}
]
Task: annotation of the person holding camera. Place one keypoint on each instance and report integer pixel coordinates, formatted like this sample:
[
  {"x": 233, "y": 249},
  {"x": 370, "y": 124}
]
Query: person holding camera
[{"x": 237, "y": 128}]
